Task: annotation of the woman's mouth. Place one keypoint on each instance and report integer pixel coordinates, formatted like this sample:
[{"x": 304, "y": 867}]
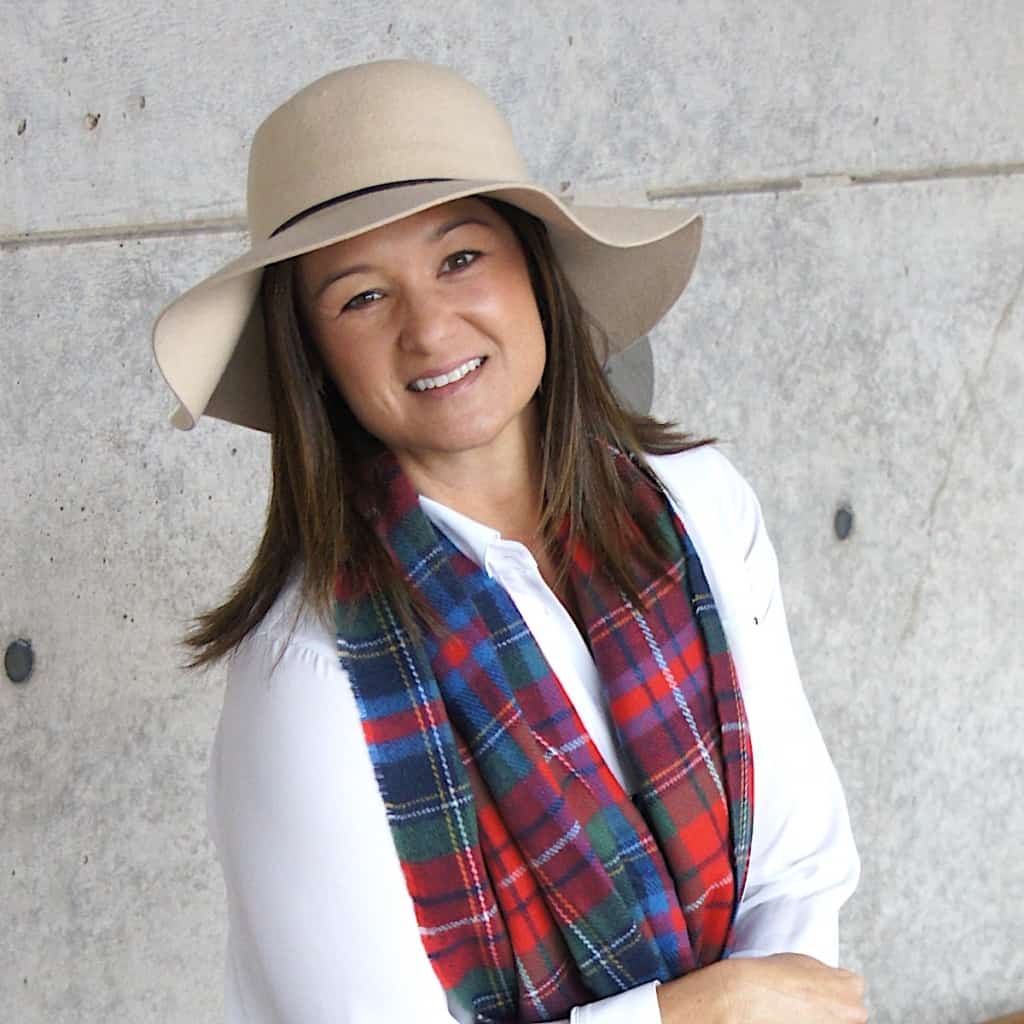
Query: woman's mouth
[{"x": 460, "y": 371}]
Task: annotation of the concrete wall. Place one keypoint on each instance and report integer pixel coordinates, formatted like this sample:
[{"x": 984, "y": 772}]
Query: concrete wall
[{"x": 854, "y": 334}]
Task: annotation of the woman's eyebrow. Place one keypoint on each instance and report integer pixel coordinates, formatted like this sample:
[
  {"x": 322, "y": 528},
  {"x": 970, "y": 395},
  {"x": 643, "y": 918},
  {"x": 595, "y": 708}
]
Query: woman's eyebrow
[
  {"x": 337, "y": 275},
  {"x": 448, "y": 226}
]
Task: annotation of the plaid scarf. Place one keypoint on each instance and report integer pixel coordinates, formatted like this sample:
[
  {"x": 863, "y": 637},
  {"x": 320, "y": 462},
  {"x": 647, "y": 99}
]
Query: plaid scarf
[{"x": 538, "y": 882}]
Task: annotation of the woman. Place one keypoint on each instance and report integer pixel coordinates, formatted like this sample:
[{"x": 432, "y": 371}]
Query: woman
[{"x": 510, "y": 664}]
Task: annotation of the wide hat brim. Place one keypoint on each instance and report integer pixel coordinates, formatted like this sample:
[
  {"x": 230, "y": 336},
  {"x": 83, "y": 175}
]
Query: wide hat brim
[{"x": 627, "y": 265}]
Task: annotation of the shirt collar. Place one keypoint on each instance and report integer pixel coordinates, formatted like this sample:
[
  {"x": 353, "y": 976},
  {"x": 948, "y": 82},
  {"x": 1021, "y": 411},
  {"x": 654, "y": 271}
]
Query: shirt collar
[{"x": 472, "y": 538}]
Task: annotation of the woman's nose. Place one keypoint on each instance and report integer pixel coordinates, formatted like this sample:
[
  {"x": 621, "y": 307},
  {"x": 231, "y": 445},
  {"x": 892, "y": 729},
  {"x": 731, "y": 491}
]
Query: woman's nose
[{"x": 427, "y": 320}]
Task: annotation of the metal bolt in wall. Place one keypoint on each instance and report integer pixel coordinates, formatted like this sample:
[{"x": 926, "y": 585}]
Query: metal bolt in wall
[
  {"x": 843, "y": 522},
  {"x": 18, "y": 661}
]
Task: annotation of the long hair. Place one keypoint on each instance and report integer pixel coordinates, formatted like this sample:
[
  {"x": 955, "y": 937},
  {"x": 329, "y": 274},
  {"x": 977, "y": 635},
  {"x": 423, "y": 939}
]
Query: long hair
[{"x": 320, "y": 454}]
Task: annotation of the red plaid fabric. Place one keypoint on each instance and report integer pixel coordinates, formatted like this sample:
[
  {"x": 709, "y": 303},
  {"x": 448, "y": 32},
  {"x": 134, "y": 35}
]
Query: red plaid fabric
[{"x": 538, "y": 882}]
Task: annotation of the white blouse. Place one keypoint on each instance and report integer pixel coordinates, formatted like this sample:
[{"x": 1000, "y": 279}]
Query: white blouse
[{"x": 321, "y": 928}]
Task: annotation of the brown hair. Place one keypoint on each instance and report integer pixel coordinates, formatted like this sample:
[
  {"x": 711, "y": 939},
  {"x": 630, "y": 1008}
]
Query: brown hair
[{"x": 320, "y": 452}]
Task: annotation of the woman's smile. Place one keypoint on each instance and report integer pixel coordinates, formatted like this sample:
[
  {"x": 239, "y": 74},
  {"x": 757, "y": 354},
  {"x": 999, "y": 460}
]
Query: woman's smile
[{"x": 443, "y": 379}]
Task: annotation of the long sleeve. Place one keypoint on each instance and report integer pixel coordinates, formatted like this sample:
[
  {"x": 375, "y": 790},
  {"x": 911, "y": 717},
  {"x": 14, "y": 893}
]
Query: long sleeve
[
  {"x": 321, "y": 925},
  {"x": 803, "y": 862}
]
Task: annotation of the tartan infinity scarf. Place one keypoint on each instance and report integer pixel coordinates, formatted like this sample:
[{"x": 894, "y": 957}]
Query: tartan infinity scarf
[{"x": 538, "y": 882}]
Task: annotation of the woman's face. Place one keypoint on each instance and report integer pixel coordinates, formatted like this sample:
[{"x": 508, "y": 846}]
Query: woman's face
[{"x": 430, "y": 330}]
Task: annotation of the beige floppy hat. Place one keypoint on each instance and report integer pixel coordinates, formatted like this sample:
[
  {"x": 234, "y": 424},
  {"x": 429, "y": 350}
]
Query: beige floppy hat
[{"x": 365, "y": 146}]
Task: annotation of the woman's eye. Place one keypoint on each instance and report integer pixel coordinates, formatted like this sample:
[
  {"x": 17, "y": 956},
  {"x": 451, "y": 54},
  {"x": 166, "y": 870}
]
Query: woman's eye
[
  {"x": 361, "y": 300},
  {"x": 460, "y": 260}
]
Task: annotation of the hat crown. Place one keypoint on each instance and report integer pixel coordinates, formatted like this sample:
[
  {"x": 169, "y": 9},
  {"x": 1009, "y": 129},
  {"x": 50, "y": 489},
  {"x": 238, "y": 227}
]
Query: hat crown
[{"x": 369, "y": 125}]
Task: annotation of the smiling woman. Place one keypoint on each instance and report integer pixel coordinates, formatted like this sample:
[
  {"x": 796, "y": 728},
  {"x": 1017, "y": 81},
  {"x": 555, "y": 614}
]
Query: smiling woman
[
  {"x": 510, "y": 663},
  {"x": 430, "y": 331}
]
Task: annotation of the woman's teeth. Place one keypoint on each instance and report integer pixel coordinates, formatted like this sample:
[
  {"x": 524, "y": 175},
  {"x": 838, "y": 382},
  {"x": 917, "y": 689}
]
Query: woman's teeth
[{"x": 427, "y": 383}]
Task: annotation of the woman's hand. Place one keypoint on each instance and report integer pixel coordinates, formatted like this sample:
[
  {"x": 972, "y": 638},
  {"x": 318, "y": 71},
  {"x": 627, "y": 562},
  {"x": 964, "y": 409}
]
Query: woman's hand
[{"x": 786, "y": 988}]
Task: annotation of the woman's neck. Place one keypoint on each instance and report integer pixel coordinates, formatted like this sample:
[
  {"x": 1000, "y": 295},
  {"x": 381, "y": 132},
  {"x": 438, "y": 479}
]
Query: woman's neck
[
  {"x": 502, "y": 490},
  {"x": 499, "y": 486}
]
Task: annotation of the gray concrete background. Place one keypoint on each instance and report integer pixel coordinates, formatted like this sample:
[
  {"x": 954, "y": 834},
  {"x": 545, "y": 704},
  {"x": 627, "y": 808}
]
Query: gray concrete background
[{"x": 853, "y": 334}]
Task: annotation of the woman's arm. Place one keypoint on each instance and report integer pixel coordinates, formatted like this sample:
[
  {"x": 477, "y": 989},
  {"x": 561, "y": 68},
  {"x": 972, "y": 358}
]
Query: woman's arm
[
  {"x": 804, "y": 864},
  {"x": 803, "y": 861},
  {"x": 321, "y": 925}
]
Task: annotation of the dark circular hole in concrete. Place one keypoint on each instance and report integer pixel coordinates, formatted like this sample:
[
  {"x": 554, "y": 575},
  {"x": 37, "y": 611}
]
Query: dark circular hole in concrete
[
  {"x": 843, "y": 522},
  {"x": 18, "y": 661}
]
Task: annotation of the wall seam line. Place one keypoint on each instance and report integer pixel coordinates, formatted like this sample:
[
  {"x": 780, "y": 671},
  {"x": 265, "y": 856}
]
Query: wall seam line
[
  {"x": 839, "y": 179},
  {"x": 754, "y": 186}
]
